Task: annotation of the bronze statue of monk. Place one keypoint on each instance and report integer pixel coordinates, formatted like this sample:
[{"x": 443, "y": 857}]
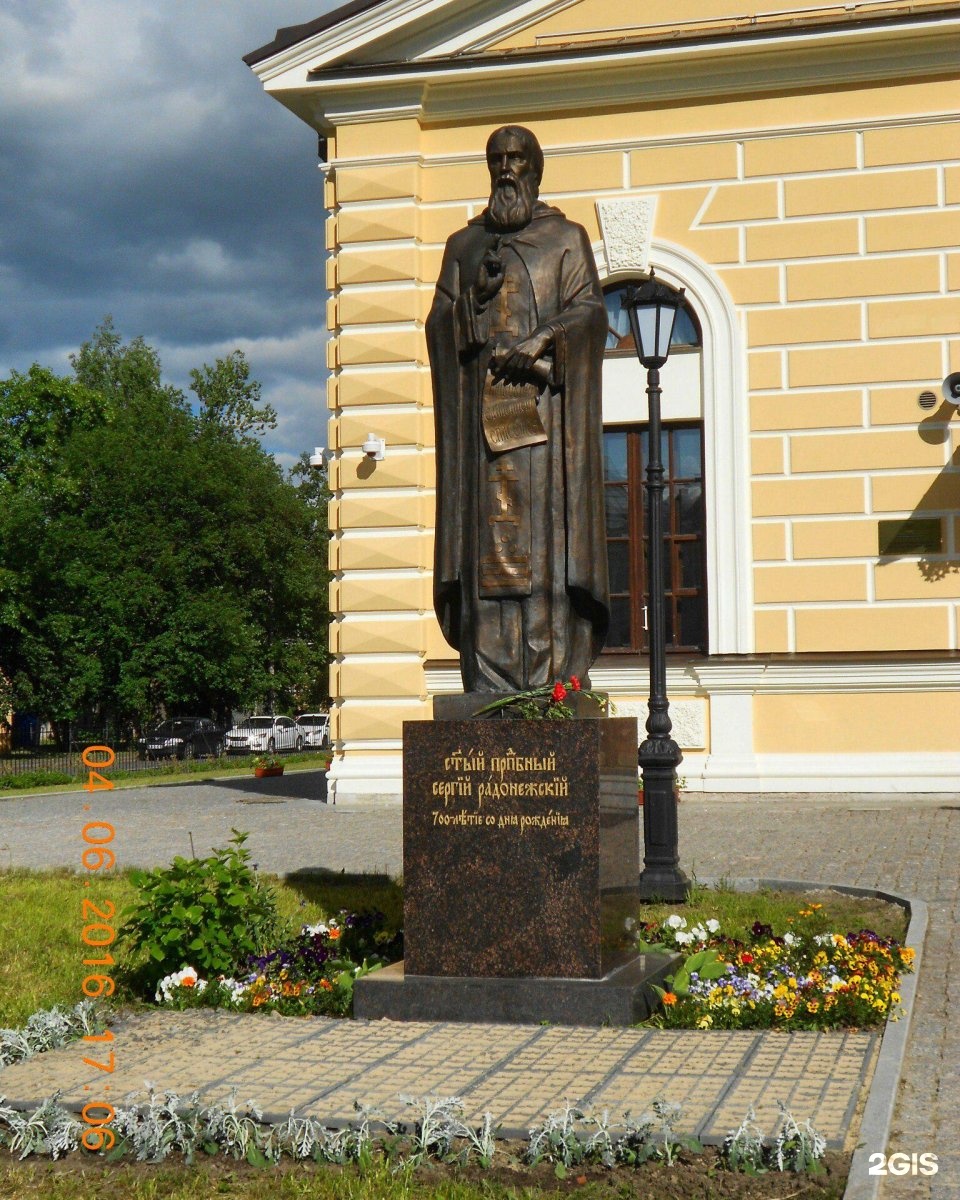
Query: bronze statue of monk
[{"x": 516, "y": 336}]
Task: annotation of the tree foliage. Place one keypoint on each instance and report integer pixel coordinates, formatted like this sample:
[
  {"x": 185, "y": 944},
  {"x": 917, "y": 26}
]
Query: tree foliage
[
  {"x": 230, "y": 399},
  {"x": 153, "y": 559}
]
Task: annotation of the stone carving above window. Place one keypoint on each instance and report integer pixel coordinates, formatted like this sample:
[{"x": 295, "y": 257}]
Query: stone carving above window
[{"x": 627, "y": 228}]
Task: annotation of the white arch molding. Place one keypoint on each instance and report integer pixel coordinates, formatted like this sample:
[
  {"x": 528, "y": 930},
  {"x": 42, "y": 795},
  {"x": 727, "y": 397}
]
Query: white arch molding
[{"x": 726, "y": 439}]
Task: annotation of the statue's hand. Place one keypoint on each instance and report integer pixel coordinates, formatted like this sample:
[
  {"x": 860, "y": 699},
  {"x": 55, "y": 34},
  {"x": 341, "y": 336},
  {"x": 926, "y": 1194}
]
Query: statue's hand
[
  {"x": 516, "y": 364},
  {"x": 489, "y": 275}
]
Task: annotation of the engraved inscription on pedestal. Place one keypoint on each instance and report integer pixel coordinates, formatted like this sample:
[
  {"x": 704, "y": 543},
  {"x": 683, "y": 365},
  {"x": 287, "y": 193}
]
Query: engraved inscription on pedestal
[{"x": 519, "y": 840}]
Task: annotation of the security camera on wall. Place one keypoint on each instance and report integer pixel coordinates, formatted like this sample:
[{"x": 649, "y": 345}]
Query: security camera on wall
[{"x": 951, "y": 388}]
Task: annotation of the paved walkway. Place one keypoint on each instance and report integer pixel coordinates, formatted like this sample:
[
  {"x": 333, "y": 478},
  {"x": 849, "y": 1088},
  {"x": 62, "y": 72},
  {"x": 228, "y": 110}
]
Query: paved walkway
[
  {"x": 519, "y": 1073},
  {"x": 906, "y": 844}
]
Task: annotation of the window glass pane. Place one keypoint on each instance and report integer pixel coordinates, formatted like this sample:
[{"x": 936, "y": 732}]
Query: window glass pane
[
  {"x": 615, "y": 457},
  {"x": 684, "y": 330},
  {"x": 615, "y": 499},
  {"x": 688, "y": 505},
  {"x": 690, "y": 610},
  {"x": 682, "y": 545},
  {"x": 619, "y": 635},
  {"x": 668, "y": 622},
  {"x": 686, "y": 454},
  {"x": 665, "y": 566},
  {"x": 691, "y": 564},
  {"x": 618, "y": 559},
  {"x": 617, "y": 320}
]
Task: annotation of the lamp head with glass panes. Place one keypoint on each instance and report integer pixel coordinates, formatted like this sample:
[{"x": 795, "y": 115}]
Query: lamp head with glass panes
[{"x": 652, "y": 308}]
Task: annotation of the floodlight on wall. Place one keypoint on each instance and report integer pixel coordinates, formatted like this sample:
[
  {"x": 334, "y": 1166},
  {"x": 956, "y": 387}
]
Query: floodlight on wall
[
  {"x": 951, "y": 388},
  {"x": 317, "y": 457},
  {"x": 374, "y": 448}
]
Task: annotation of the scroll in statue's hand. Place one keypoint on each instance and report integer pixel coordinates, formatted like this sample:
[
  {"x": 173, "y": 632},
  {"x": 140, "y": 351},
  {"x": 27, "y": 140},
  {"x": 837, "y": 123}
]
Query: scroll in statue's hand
[
  {"x": 489, "y": 274},
  {"x": 518, "y": 363}
]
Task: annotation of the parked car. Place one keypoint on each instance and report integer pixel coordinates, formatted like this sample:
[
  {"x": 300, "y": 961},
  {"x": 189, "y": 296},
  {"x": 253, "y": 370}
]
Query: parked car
[
  {"x": 316, "y": 728},
  {"x": 182, "y": 737},
  {"x": 257, "y": 735}
]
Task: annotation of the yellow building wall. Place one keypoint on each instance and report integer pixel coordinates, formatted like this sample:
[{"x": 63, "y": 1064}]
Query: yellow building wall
[
  {"x": 831, "y": 220},
  {"x": 856, "y": 723}
]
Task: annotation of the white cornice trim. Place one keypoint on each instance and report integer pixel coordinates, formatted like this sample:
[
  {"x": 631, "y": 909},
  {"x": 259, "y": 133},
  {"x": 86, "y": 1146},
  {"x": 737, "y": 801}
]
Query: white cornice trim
[
  {"x": 419, "y": 23},
  {"x": 706, "y": 677},
  {"x": 656, "y": 73},
  {"x": 828, "y": 677},
  {"x": 346, "y": 37},
  {"x": 499, "y": 27}
]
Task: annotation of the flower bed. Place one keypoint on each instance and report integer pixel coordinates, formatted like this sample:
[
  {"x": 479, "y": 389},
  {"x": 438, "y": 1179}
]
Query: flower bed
[
  {"x": 802, "y": 978},
  {"x": 313, "y": 973}
]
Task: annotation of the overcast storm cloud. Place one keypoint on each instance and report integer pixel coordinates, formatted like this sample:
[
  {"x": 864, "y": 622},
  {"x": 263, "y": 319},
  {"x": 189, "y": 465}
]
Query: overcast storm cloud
[{"x": 145, "y": 174}]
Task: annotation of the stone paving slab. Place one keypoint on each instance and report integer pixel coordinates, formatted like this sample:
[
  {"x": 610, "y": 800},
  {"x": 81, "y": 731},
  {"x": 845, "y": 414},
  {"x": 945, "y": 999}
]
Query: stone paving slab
[{"x": 519, "y": 1073}]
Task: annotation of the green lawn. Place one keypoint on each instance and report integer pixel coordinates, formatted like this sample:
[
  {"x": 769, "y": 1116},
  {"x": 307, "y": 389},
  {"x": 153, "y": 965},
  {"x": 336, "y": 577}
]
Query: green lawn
[
  {"x": 41, "y": 954},
  {"x": 172, "y": 771}
]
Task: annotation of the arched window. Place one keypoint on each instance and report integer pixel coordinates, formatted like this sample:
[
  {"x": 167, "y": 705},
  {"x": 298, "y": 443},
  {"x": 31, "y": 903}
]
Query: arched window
[{"x": 625, "y": 457}]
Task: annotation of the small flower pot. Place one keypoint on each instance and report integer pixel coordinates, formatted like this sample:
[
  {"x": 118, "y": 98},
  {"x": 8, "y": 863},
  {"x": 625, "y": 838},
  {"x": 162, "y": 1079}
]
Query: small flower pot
[{"x": 264, "y": 772}]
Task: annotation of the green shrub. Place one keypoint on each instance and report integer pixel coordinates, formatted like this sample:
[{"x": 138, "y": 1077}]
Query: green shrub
[{"x": 210, "y": 913}]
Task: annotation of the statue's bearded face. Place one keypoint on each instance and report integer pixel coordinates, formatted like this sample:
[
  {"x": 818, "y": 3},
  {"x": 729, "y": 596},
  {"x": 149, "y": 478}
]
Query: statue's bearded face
[{"x": 514, "y": 186}]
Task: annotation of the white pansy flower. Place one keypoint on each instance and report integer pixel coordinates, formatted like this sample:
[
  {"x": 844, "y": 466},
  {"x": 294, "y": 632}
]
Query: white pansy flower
[
  {"x": 713, "y": 925},
  {"x": 186, "y": 977},
  {"x": 791, "y": 939},
  {"x": 675, "y": 922},
  {"x": 683, "y": 939}
]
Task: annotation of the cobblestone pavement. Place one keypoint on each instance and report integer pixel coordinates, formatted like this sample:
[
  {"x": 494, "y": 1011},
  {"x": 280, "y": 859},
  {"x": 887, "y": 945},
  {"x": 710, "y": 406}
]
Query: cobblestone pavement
[{"x": 908, "y": 844}]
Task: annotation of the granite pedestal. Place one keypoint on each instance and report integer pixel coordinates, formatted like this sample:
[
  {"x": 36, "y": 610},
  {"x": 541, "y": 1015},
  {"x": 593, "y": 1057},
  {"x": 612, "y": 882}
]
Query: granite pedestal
[{"x": 520, "y": 861}]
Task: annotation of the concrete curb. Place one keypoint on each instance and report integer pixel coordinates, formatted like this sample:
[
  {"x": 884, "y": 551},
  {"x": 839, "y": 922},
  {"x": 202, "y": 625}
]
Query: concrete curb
[
  {"x": 882, "y": 1098},
  {"x": 881, "y": 1102}
]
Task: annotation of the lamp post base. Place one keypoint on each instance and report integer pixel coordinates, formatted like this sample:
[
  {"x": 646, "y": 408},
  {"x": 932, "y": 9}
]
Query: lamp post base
[
  {"x": 661, "y": 877},
  {"x": 664, "y": 883}
]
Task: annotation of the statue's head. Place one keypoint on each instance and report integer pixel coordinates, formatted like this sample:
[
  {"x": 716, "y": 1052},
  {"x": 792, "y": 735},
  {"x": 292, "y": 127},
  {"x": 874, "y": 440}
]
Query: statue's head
[{"x": 515, "y": 163}]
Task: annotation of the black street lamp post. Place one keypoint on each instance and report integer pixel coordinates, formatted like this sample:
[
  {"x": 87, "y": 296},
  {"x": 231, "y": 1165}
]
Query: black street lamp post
[{"x": 652, "y": 308}]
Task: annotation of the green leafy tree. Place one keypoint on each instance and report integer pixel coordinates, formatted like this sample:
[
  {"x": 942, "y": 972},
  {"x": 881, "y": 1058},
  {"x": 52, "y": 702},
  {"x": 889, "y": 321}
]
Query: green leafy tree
[
  {"x": 38, "y": 412},
  {"x": 230, "y": 399},
  {"x": 153, "y": 559}
]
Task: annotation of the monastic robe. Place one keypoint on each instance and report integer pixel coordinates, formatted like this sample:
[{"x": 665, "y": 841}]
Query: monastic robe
[{"x": 520, "y": 576}]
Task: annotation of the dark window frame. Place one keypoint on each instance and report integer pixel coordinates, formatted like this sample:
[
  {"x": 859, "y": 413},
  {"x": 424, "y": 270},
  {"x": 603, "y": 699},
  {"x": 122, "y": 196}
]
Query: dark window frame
[{"x": 677, "y": 589}]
